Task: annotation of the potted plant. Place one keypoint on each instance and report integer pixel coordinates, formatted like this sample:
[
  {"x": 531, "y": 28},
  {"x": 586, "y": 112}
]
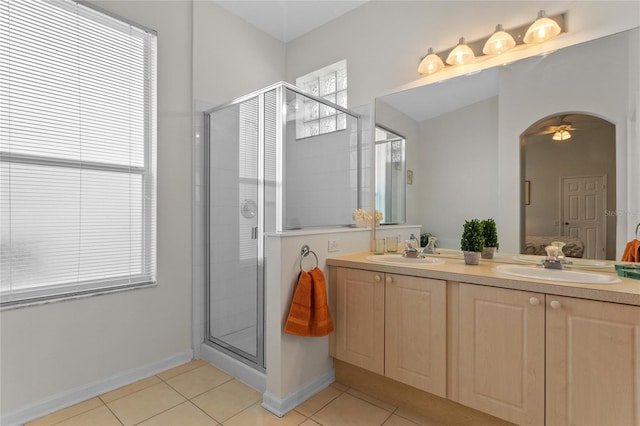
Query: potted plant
[
  {"x": 490, "y": 234},
  {"x": 362, "y": 218},
  {"x": 472, "y": 241}
]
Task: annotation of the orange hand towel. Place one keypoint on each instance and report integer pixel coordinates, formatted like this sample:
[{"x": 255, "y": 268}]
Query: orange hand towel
[
  {"x": 299, "y": 320},
  {"x": 321, "y": 323},
  {"x": 632, "y": 252}
]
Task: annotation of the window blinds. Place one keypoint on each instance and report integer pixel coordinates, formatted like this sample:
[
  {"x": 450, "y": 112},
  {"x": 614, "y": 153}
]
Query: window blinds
[{"x": 77, "y": 151}]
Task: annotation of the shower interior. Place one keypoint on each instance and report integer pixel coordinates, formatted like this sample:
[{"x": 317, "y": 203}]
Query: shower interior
[{"x": 275, "y": 160}]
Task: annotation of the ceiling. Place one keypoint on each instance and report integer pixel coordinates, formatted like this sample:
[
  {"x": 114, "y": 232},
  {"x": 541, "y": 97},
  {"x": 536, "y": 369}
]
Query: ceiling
[{"x": 286, "y": 20}]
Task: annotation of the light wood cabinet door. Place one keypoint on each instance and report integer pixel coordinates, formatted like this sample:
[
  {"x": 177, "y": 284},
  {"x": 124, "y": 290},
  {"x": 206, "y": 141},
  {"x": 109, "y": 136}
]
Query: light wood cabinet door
[
  {"x": 415, "y": 332},
  {"x": 593, "y": 362},
  {"x": 501, "y": 352},
  {"x": 359, "y": 330}
]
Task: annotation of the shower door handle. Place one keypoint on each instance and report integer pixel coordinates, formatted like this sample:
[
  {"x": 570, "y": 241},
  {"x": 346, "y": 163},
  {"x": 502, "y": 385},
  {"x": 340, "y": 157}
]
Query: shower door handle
[{"x": 254, "y": 233}]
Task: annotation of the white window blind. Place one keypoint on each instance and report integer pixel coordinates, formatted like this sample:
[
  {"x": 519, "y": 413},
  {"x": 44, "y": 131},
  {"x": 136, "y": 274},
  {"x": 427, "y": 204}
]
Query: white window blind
[{"x": 77, "y": 152}]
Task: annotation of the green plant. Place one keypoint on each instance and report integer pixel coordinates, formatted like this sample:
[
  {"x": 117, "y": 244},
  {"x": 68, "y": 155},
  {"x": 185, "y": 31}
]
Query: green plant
[
  {"x": 490, "y": 233},
  {"x": 472, "y": 239}
]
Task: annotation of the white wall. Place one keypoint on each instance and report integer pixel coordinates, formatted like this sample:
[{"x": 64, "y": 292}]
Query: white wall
[{"x": 56, "y": 353}]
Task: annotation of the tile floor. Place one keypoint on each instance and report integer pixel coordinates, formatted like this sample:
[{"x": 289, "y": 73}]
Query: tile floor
[{"x": 198, "y": 393}]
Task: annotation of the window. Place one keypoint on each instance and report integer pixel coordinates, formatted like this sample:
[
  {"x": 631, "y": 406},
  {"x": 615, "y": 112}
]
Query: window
[
  {"x": 77, "y": 152},
  {"x": 329, "y": 83}
]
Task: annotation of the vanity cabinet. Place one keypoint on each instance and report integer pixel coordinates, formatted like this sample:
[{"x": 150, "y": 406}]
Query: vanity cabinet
[
  {"x": 501, "y": 352},
  {"x": 359, "y": 318},
  {"x": 393, "y": 325},
  {"x": 593, "y": 362},
  {"x": 590, "y": 350}
]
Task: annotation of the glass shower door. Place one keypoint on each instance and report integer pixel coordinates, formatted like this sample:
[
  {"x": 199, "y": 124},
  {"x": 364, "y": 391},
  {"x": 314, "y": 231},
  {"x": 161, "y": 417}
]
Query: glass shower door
[{"x": 235, "y": 298}]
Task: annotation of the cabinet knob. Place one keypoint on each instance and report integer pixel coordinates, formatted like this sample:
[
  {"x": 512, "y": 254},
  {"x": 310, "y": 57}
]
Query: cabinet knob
[
  {"x": 377, "y": 278},
  {"x": 389, "y": 280},
  {"x": 555, "y": 304},
  {"x": 534, "y": 301}
]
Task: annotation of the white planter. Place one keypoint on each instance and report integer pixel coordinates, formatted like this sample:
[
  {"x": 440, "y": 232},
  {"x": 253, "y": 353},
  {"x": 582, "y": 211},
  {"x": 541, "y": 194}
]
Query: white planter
[{"x": 472, "y": 257}]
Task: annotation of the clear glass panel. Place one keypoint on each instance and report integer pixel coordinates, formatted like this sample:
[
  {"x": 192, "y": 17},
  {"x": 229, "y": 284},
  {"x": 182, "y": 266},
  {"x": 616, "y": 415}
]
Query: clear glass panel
[
  {"x": 341, "y": 99},
  {"x": 321, "y": 179},
  {"x": 233, "y": 239},
  {"x": 341, "y": 123}
]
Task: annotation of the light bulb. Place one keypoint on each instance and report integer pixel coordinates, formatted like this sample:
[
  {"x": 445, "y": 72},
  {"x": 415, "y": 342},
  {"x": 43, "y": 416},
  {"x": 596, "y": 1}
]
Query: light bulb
[
  {"x": 499, "y": 42},
  {"x": 462, "y": 54},
  {"x": 542, "y": 29},
  {"x": 431, "y": 63}
]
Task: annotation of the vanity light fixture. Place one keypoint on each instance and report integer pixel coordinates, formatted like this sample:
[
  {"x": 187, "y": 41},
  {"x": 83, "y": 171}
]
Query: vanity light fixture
[
  {"x": 462, "y": 54},
  {"x": 500, "y": 42},
  {"x": 561, "y": 135},
  {"x": 542, "y": 29},
  {"x": 431, "y": 63}
]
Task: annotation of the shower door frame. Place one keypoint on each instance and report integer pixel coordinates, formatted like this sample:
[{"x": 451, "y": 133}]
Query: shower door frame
[{"x": 257, "y": 361}]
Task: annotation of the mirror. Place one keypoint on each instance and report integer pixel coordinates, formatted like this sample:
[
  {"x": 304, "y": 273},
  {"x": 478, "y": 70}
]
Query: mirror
[
  {"x": 466, "y": 139},
  {"x": 390, "y": 172},
  {"x": 570, "y": 173}
]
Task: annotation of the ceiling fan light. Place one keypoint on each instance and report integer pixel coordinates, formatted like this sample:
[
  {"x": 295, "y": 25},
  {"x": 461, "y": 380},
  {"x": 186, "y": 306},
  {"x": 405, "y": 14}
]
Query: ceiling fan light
[
  {"x": 561, "y": 135},
  {"x": 461, "y": 55},
  {"x": 500, "y": 42},
  {"x": 431, "y": 63},
  {"x": 542, "y": 29}
]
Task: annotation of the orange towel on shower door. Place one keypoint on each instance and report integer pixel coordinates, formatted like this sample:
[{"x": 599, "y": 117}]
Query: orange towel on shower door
[
  {"x": 632, "y": 252},
  {"x": 309, "y": 312}
]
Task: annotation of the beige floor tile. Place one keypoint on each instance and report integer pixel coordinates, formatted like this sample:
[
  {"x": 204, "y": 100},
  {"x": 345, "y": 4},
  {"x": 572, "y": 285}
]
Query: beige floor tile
[
  {"x": 100, "y": 416},
  {"x": 339, "y": 386},
  {"x": 416, "y": 418},
  {"x": 398, "y": 421},
  {"x": 197, "y": 381},
  {"x": 227, "y": 400},
  {"x": 317, "y": 401},
  {"x": 176, "y": 371},
  {"x": 258, "y": 416},
  {"x": 347, "y": 410},
  {"x": 372, "y": 400},
  {"x": 129, "y": 389},
  {"x": 67, "y": 413},
  {"x": 145, "y": 404},
  {"x": 310, "y": 422},
  {"x": 183, "y": 414}
]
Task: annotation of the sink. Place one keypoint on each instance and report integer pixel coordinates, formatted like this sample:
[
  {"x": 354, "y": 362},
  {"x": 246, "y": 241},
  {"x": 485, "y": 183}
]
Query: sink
[
  {"x": 395, "y": 259},
  {"x": 574, "y": 262},
  {"x": 539, "y": 273}
]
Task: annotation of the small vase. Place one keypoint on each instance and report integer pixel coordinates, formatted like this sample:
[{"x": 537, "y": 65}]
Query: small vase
[
  {"x": 488, "y": 252},
  {"x": 472, "y": 257}
]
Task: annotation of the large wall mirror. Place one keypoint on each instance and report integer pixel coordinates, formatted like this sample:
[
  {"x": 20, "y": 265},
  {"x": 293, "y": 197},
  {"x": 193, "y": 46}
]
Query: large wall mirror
[{"x": 481, "y": 146}]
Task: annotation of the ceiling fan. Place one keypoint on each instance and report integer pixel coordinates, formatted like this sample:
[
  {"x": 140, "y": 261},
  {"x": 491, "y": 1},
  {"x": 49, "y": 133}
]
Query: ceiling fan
[{"x": 561, "y": 131}]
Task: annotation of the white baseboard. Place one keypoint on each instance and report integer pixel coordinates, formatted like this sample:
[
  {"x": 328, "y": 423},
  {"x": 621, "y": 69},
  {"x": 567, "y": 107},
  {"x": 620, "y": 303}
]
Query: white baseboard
[
  {"x": 74, "y": 396},
  {"x": 281, "y": 406},
  {"x": 241, "y": 371}
]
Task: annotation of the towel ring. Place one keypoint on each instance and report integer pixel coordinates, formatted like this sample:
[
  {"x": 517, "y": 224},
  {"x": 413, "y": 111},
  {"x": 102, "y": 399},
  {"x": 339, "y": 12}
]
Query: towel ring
[{"x": 304, "y": 252}]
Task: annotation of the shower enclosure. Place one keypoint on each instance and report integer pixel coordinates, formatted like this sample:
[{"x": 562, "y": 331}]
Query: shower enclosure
[{"x": 275, "y": 160}]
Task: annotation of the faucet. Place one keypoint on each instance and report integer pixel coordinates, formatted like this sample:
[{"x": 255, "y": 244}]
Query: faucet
[{"x": 553, "y": 260}]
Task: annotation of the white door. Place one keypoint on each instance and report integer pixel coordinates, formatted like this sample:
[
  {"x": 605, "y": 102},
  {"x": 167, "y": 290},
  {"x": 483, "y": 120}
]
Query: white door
[{"x": 583, "y": 201}]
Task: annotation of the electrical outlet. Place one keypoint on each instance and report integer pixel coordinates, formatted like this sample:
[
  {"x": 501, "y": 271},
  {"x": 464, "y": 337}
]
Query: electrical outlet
[{"x": 334, "y": 245}]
